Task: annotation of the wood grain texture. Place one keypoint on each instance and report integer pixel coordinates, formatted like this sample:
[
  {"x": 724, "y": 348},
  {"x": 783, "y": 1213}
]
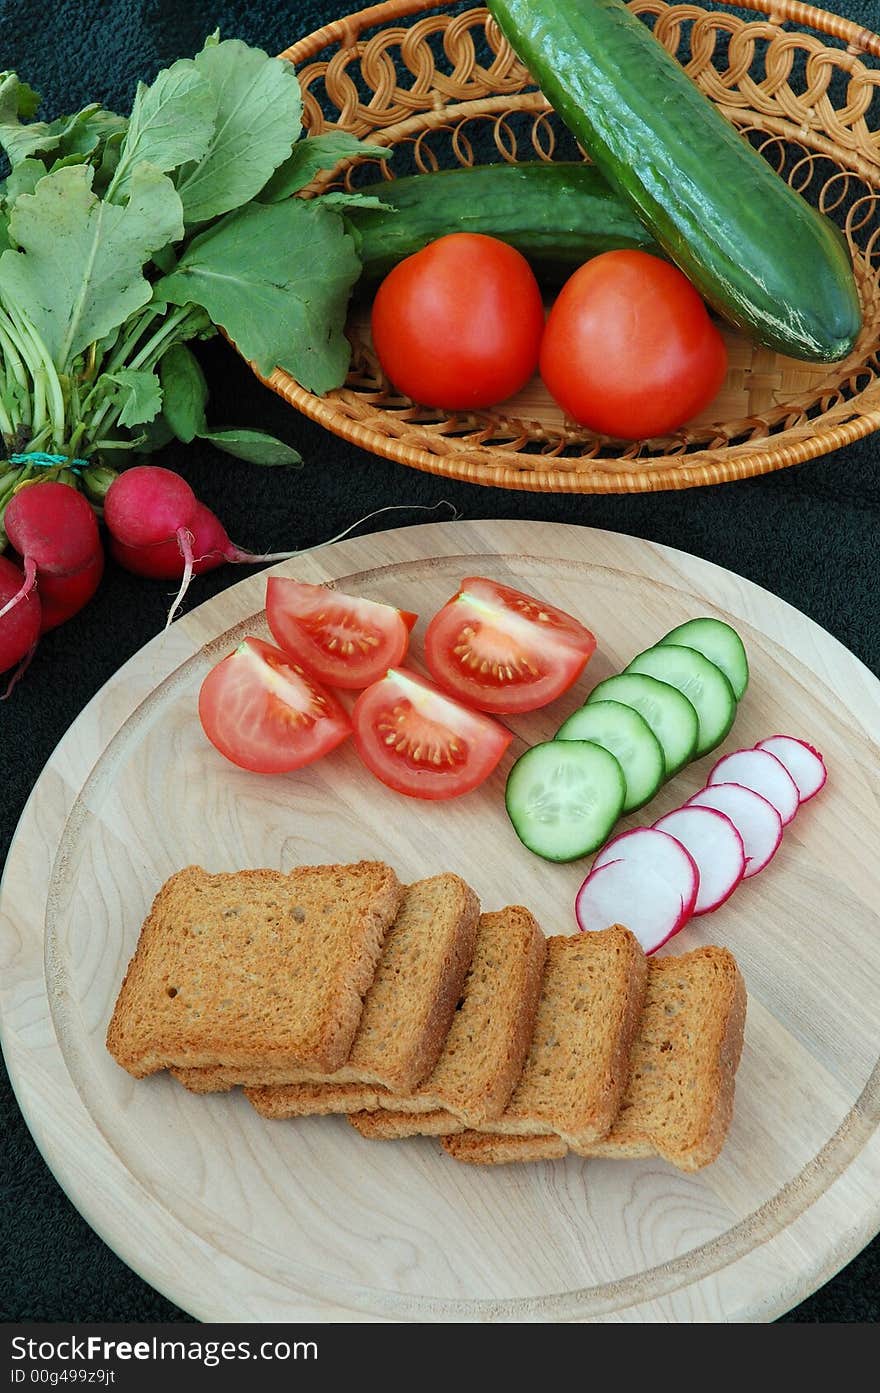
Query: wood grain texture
[{"x": 234, "y": 1217}]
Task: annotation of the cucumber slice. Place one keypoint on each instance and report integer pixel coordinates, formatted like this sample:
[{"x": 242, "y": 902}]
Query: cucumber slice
[
  {"x": 704, "y": 685},
  {"x": 717, "y": 642},
  {"x": 564, "y": 797},
  {"x": 670, "y": 715},
  {"x": 626, "y": 735}
]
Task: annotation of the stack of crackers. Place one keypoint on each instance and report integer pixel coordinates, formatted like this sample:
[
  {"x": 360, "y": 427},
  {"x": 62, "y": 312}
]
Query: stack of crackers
[{"x": 335, "y": 989}]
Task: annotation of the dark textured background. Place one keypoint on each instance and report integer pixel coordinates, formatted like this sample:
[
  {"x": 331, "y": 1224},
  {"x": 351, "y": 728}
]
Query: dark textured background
[{"x": 809, "y": 534}]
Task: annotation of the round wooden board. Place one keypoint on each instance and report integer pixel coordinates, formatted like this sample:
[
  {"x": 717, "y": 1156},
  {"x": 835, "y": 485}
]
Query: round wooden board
[{"x": 234, "y": 1217}]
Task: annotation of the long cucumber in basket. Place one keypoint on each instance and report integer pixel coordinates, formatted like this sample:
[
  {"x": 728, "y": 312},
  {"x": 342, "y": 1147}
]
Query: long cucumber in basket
[
  {"x": 556, "y": 215},
  {"x": 756, "y": 250}
]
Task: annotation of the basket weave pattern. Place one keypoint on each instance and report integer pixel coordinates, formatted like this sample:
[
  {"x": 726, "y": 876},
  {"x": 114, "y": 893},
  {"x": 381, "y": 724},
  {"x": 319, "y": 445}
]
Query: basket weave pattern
[{"x": 448, "y": 86}]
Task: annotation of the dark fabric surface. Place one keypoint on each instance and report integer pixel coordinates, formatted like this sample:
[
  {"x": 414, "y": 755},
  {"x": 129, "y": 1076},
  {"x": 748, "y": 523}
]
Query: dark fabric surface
[{"x": 808, "y": 534}]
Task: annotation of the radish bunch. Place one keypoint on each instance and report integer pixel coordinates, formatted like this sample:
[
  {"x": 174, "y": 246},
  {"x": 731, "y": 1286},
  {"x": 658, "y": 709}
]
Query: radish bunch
[
  {"x": 155, "y": 522},
  {"x": 53, "y": 529},
  {"x": 654, "y": 879}
]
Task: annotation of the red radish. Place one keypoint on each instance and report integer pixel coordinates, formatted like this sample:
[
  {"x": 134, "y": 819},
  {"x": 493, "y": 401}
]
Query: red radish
[
  {"x": 805, "y": 765},
  {"x": 644, "y": 879},
  {"x": 716, "y": 846},
  {"x": 20, "y": 626},
  {"x": 159, "y": 528},
  {"x": 763, "y": 773},
  {"x": 211, "y": 547},
  {"x": 54, "y": 530},
  {"x": 148, "y": 505},
  {"x": 164, "y": 560},
  {"x": 64, "y": 596},
  {"x": 756, "y": 820}
]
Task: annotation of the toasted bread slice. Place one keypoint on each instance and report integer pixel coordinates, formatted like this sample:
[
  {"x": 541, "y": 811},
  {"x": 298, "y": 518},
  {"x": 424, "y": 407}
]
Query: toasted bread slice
[
  {"x": 679, "y": 1100},
  {"x": 577, "y": 1066},
  {"x": 490, "y": 1033},
  {"x": 392, "y": 1126},
  {"x": 407, "y": 1010},
  {"x": 314, "y": 1099},
  {"x": 322, "y": 1099},
  {"x": 578, "y": 1062},
  {"x": 487, "y": 1041},
  {"x": 240, "y": 969},
  {"x": 492, "y": 1149}
]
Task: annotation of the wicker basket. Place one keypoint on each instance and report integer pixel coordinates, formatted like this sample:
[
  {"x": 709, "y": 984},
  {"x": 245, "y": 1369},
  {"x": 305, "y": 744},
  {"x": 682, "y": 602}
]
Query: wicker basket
[{"x": 440, "y": 83}]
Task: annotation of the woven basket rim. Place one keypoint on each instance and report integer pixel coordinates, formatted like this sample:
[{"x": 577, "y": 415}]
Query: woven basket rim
[
  {"x": 501, "y": 467},
  {"x": 778, "y": 11}
]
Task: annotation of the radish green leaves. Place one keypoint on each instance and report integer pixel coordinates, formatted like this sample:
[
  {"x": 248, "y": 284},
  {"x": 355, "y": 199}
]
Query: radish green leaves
[
  {"x": 277, "y": 278},
  {"x": 258, "y": 113},
  {"x": 77, "y": 272},
  {"x": 121, "y": 238},
  {"x": 171, "y": 122}
]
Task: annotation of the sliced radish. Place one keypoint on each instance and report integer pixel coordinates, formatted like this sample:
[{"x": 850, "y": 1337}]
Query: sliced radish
[
  {"x": 716, "y": 846},
  {"x": 763, "y": 773},
  {"x": 805, "y": 765},
  {"x": 756, "y": 820},
  {"x": 643, "y": 879}
]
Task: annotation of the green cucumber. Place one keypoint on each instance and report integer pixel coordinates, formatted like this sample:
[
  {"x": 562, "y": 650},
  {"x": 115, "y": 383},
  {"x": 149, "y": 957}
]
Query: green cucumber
[
  {"x": 625, "y": 734},
  {"x": 564, "y": 797},
  {"x": 667, "y": 711},
  {"x": 698, "y": 679},
  {"x": 755, "y": 249},
  {"x": 719, "y": 643},
  {"x": 557, "y": 215}
]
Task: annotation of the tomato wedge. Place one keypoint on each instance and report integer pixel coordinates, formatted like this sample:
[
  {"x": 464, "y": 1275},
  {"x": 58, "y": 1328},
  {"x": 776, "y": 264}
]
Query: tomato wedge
[
  {"x": 344, "y": 640},
  {"x": 501, "y": 650},
  {"x": 264, "y": 713},
  {"x": 419, "y": 741}
]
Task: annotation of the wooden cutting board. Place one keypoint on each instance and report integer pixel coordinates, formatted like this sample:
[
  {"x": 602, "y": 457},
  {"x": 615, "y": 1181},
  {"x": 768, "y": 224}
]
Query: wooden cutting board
[{"x": 234, "y": 1217}]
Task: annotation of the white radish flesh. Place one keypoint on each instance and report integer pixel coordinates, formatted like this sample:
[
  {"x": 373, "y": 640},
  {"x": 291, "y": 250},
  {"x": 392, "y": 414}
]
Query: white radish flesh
[
  {"x": 763, "y": 773},
  {"x": 756, "y": 820},
  {"x": 715, "y": 845},
  {"x": 805, "y": 765},
  {"x": 643, "y": 879}
]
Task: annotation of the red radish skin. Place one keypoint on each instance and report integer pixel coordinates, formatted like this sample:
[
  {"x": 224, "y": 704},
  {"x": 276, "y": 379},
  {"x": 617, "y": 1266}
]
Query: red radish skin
[
  {"x": 764, "y": 774},
  {"x": 717, "y": 848},
  {"x": 54, "y": 525},
  {"x": 756, "y": 820},
  {"x": 62, "y": 597},
  {"x": 158, "y": 528},
  {"x": 20, "y": 626},
  {"x": 644, "y": 879},
  {"x": 147, "y": 504},
  {"x": 164, "y": 560},
  {"x": 805, "y": 764},
  {"x": 211, "y": 547},
  {"x": 54, "y": 530}
]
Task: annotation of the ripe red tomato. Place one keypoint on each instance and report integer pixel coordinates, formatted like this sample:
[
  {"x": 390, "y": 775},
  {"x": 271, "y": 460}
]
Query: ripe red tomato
[
  {"x": 346, "y": 641},
  {"x": 501, "y": 650},
  {"x": 459, "y": 324},
  {"x": 263, "y": 712},
  {"x": 629, "y": 349},
  {"x": 421, "y": 742}
]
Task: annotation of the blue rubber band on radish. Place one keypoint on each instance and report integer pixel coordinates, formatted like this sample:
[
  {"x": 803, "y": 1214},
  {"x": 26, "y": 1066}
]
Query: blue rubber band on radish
[{"x": 41, "y": 460}]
